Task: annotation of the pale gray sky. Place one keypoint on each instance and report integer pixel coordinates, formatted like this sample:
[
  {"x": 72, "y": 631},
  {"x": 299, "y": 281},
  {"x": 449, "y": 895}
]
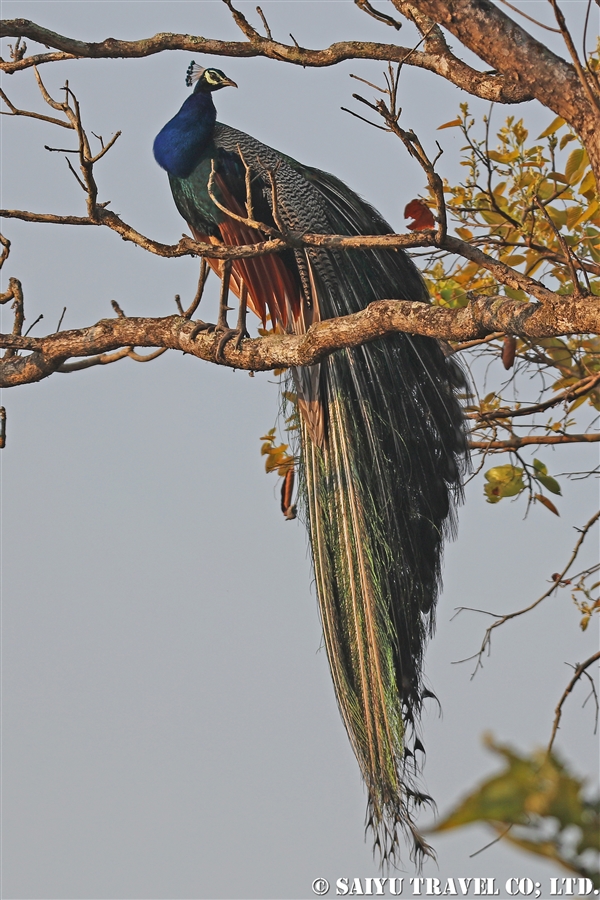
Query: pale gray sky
[{"x": 169, "y": 725}]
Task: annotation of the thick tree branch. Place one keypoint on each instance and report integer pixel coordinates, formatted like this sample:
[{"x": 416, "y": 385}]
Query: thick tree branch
[
  {"x": 482, "y": 316},
  {"x": 489, "y": 87},
  {"x": 521, "y": 59}
]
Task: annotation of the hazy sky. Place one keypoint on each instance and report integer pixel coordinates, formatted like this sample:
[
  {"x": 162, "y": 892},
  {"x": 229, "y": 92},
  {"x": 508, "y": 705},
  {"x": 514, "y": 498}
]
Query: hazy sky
[{"x": 169, "y": 724}]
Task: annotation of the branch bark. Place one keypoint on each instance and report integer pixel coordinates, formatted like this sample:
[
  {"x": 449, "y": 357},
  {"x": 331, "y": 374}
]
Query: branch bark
[
  {"x": 521, "y": 59},
  {"x": 489, "y": 87},
  {"x": 483, "y": 315}
]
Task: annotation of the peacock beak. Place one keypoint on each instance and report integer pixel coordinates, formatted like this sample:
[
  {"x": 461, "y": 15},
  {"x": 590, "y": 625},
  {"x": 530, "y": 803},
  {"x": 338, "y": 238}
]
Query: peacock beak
[{"x": 227, "y": 82}]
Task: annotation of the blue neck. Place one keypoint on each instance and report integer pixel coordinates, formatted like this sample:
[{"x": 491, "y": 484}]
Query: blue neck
[{"x": 179, "y": 146}]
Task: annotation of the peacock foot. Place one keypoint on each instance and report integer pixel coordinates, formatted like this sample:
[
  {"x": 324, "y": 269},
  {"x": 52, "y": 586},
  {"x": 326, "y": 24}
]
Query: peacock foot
[
  {"x": 237, "y": 335},
  {"x": 201, "y": 326}
]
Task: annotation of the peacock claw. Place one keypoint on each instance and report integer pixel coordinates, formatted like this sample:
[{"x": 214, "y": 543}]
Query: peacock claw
[
  {"x": 201, "y": 326},
  {"x": 230, "y": 334}
]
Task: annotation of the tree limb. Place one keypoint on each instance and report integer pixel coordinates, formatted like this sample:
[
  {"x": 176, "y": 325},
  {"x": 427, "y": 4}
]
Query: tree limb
[
  {"x": 483, "y": 315},
  {"x": 489, "y": 87},
  {"x": 502, "y": 43},
  {"x": 515, "y": 442}
]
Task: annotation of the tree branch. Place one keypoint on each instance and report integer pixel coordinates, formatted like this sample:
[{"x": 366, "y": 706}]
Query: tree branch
[
  {"x": 489, "y": 87},
  {"x": 483, "y": 315},
  {"x": 515, "y": 442},
  {"x": 495, "y": 38},
  {"x": 502, "y": 619},
  {"x": 579, "y": 671}
]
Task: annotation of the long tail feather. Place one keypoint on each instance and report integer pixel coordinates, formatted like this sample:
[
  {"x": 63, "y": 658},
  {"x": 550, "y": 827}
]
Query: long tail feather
[{"x": 376, "y": 536}]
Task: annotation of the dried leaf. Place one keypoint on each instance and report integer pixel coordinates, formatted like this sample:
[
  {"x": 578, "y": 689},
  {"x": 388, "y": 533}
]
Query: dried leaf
[
  {"x": 509, "y": 348},
  {"x": 422, "y": 215},
  {"x": 547, "y": 503}
]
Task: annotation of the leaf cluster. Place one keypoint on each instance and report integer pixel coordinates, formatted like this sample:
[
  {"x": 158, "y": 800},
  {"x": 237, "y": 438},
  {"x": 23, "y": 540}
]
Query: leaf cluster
[
  {"x": 533, "y": 206},
  {"x": 524, "y": 205},
  {"x": 508, "y": 481},
  {"x": 277, "y": 457},
  {"x": 539, "y": 805}
]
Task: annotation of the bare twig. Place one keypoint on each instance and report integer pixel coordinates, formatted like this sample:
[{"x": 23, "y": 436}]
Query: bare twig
[
  {"x": 562, "y": 24},
  {"x": 515, "y": 442},
  {"x": 569, "y": 256},
  {"x": 146, "y": 357},
  {"x": 33, "y": 115},
  {"x": 381, "y": 17},
  {"x": 579, "y": 671},
  {"x": 204, "y": 273},
  {"x": 529, "y": 18},
  {"x": 245, "y": 220},
  {"x": 572, "y": 393},
  {"x": 468, "y": 345},
  {"x": 14, "y": 292},
  {"x": 242, "y": 22},
  {"x": 5, "y": 243},
  {"x": 502, "y": 619},
  {"x": 33, "y": 324},
  {"x": 265, "y": 23}
]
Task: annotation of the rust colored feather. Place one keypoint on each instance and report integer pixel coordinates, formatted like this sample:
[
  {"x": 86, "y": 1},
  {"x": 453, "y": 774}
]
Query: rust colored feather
[{"x": 271, "y": 288}]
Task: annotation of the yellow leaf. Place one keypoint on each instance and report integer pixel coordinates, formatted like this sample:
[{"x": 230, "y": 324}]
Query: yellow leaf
[
  {"x": 575, "y": 162},
  {"x": 464, "y": 233},
  {"x": 584, "y": 215},
  {"x": 556, "y": 176},
  {"x": 552, "y": 127},
  {"x": 453, "y": 124},
  {"x": 565, "y": 140},
  {"x": 503, "y": 157},
  {"x": 588, "y": 183}
]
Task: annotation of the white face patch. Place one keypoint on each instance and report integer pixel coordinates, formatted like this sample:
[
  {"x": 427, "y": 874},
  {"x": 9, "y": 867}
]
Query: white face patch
[{"x": 211, "y": 77}]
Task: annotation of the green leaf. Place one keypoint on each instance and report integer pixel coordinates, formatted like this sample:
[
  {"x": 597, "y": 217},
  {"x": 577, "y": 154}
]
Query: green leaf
[
  {"x": 542, "y": 802},
  {"x": 540, "y": 467},
  {"x": 550, "y": 483}
]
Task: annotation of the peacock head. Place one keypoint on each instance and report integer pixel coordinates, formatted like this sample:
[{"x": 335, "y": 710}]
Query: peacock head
[{"x": 207, "y": 80}]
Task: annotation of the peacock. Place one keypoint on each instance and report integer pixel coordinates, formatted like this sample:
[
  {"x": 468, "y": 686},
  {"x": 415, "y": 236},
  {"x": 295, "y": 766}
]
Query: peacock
[{"x": 381, "y": 439}]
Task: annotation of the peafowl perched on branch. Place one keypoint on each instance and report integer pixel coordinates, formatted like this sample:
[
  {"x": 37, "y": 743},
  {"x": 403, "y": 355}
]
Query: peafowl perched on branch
[{"x": 381, "y": 430}]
